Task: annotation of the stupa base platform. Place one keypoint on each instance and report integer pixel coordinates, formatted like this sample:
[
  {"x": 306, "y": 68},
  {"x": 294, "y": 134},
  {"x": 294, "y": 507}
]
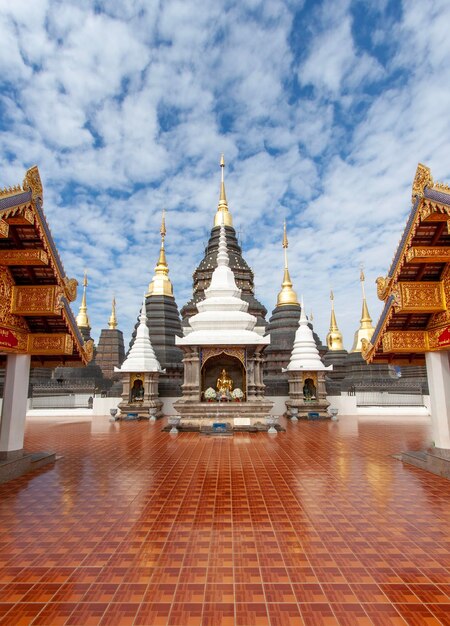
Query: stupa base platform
[
  {"x": 141, "y": 410},
  {"x": 234, "y": 416},
  {"x": 308, "y": 410}
]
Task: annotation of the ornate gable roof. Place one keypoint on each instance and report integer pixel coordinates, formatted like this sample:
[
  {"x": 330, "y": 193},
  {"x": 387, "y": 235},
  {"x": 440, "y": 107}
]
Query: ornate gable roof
[
  {"x": 36, "y": 316},
  {"x": 416, "y": 290}
]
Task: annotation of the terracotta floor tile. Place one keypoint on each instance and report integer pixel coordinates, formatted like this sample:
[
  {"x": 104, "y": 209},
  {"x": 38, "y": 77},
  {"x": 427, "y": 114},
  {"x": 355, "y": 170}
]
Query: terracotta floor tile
[
  {"x": 319, "y": 525},
  {"x": 251, "y": 614}
]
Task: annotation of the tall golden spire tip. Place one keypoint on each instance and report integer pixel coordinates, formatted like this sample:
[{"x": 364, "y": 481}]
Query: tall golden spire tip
[
  {"x": 112, "y": 322},
  {"x": 222, "y": 207}
]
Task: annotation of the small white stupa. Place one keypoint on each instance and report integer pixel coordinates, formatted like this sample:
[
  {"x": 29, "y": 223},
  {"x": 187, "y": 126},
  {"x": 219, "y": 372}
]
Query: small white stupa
[
  {"x": 222, "y": 317},
  {"x": 306, "y": 374},
  {"x": 140, "y": 373},
  {"x": 305, "y": 355},
  {"x": 142, "y": 357}
]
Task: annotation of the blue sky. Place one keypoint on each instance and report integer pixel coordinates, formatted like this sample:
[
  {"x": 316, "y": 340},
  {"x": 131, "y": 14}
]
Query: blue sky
[{"x": 323, "y": 110}]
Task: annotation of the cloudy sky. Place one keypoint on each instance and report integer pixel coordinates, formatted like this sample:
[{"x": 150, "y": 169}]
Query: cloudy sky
[{"x": 322, "y": 108}]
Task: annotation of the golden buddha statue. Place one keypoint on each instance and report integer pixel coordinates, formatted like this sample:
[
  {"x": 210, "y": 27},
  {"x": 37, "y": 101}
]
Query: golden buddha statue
[{"x": 224, "y": 383}]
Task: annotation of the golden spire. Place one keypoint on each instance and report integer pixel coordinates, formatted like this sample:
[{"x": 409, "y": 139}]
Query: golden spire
[
  {"x": 334, "y": 337},
  {"x": 366, "y": 329},
  {"x": 160, "y": 284},
  {"x": 82, "y": 317},
  {"x": 287, "y": 295},
  {"x": 223, "y": 214},
  {"x": 112, "y": 322}
]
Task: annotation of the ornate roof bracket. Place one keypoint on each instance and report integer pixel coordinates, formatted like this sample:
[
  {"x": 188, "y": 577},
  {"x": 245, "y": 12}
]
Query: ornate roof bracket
[{"x": 421, "y": 180}]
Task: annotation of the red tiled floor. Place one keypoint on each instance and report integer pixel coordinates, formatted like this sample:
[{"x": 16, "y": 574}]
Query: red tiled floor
[{"x": 318, "y": 526}]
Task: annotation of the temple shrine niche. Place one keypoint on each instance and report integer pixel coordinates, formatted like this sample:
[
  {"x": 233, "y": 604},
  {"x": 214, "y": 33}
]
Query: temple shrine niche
[{"x": 414, "y": 326}]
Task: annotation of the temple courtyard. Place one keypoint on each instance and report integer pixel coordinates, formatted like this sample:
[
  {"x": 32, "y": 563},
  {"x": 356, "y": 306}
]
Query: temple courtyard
[{"x": 317, "y": 525}]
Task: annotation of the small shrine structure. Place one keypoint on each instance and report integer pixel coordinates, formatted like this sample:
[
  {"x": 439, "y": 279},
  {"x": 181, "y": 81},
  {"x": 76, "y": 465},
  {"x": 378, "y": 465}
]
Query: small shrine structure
[
  {"x": 414, "y": 327},
  {"x": 306, "y": 375},
  {"x": 140, "y": 374}
]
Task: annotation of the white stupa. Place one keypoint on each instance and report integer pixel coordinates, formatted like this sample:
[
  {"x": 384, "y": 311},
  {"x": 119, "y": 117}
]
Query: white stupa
[
  {"x": 141, "y": 357},
  {"x": 305, "y": 355},
  {"x": 222, "y": 317}
]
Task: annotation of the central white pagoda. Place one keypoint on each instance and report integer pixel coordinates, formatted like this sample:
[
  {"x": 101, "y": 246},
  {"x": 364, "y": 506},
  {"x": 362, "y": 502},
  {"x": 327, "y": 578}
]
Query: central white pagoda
[{"x": 221, "y": 340}]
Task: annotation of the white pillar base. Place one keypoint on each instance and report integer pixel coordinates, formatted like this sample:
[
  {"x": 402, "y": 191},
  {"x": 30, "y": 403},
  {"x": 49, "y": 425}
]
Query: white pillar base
[
  {"x": 438, "y": 371},
  {"x": 12, "y": 425}
]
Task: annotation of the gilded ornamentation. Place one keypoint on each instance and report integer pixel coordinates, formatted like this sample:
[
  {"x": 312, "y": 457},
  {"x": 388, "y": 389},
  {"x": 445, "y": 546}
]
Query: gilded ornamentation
[
  {"x": 422, "y": 179},
  {"x": 426, "y": 254},
  {"x": 366, "y": 348},
  {"x": 383, "y": 286},
  {"x": 238, "y": 353},
  {"x": 404, "y": 341},
  {"x": 6, "y": 317},
  {"x": 23, "y": 257},
  {"x": 439, "y": 338},
  {"x": 42, "y": 344},
  {"x": 4, "y": 228},
  {"x": 441, "y": 187},
  {"x": 10, "y": 191},
  {"x": 421, "y": 296},
  {"x": 32, "y": 182},
  {"x": 70, "y": 285},
  {"x": 442, "y": 318},
  {"x": 36, "y": 300},
  {"x": 89, "y": 350}
]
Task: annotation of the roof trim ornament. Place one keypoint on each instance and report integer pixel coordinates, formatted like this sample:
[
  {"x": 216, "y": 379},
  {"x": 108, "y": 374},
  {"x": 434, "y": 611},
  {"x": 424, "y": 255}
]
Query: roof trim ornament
[
  {"x": 421, "y": 180},
  {"x": 32, "y": 182}
]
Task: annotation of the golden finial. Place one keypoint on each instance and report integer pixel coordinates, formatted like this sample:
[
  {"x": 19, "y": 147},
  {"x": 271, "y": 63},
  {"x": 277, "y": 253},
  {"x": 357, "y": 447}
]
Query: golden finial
[
  {"x": 287, "y": 294},
  {"x": 366, "y": 329},
  {"x": 112, "y": 322},
  {"x": 160, "y": 284},
  {"x": 82, "y": 317},
  {"x": 223, "y": 215},
  {"x": 334, "y": 337}
]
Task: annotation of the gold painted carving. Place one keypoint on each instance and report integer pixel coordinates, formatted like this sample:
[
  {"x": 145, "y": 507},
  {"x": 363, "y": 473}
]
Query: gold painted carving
[
  {"x": 441, "y": 187},
  {"x": 6, "y": 317},
  {"x": 10, "y": 191},
  {"x": 428, "y": 254},
  {"x": 238, "y": 353},
  {"x": 383, "y": 286},
  {"x": 23, "y": 257},
  {"x": 418, "y": 297},
  {"x": 421, "y": 180},
  {"x": 433, "y": 211},
  {"x": 57, "y": 343},
  {"x": 32, "y": 182},
  {"x": 442, "y": 318},
  {"x": 36, "y": 300},
  {"x": 312, "y": 375},
  {"x": 89, "y": 350},
  {"x": 23, "y": 217},
  {"x": 4, "y": 228},
  {"x": 71, "y": 285},
  {"x": 404, "y": 341},
  {"x": 366, "y": 349}
]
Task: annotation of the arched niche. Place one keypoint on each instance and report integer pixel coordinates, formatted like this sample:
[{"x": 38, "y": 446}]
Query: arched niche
[{"x": 212, "y": 368}]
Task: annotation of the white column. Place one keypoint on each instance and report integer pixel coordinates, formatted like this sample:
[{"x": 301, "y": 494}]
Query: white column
[
  {"x": 12, "y": 425},
  {"x": 438, "y": 372}
]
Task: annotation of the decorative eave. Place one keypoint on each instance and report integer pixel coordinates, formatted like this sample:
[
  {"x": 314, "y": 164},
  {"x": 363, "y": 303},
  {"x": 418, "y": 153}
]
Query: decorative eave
[
  {"x": 21, "y": 207},
  {"x": 416, "y": 290}
]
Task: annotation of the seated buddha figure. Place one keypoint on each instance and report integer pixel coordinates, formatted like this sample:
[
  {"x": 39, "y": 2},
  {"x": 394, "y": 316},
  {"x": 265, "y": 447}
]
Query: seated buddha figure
[{"x": 224, "y": 383}]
